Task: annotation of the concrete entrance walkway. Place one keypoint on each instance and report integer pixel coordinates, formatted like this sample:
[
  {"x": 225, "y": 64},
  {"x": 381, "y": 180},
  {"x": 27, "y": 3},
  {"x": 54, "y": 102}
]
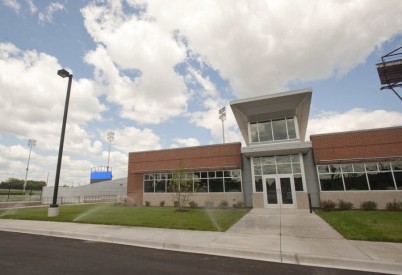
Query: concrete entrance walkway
[
  {"x": 288, "y": 235},
  {"x": 290, "y": 232}
]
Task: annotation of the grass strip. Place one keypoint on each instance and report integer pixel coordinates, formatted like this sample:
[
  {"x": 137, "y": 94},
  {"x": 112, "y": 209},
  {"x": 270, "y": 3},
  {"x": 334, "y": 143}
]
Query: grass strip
[
  {"x": 380, "y": 226},
  {"x": 161, "y": 217}
]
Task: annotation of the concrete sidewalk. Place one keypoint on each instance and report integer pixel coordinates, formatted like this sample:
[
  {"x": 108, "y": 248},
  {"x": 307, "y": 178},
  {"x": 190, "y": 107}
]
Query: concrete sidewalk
[{"x": 288, "y": 235}]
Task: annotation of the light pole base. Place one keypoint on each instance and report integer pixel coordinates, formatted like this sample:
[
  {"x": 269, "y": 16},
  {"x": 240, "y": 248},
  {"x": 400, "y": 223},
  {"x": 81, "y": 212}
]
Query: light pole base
[{"x": 53, "y": 211}]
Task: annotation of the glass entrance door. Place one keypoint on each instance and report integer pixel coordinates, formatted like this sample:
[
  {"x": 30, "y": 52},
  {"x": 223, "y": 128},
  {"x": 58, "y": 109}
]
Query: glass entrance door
[{"x": 279, "y": 191}]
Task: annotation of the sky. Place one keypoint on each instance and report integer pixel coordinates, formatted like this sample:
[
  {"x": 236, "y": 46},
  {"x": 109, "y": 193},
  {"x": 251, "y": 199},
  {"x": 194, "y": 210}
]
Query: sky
[{"x": 157, "y": 72}]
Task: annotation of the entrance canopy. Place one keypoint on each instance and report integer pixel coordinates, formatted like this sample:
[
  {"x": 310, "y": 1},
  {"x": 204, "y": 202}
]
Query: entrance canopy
[{"x": 273, "y": 106}]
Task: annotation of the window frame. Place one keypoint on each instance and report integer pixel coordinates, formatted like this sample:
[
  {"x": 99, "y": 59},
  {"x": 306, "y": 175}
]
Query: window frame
[
  {"x": 257, "y": 129},
  {"x": 368, "y": 169},
  {"x": 196, "y": 176},
  {"x": 257, "y": 164}
]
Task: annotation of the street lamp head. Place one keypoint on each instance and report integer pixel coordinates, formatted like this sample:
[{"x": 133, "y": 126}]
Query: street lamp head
[{"x": 63, "y": 73}]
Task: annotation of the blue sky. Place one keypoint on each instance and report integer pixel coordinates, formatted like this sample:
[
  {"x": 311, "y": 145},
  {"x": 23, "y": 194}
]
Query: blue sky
[{"x": 156, "y": 73}]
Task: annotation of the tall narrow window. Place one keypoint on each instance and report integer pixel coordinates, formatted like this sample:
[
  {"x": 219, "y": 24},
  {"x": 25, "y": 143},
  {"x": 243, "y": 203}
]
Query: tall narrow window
[
  {"x": 149, "y": 184},
  {"x": 254, "y": 132},
  {"x": 291, "y": 128},
  {"x": 265, "y": 131},
  {"x": 279, "y": 127}
]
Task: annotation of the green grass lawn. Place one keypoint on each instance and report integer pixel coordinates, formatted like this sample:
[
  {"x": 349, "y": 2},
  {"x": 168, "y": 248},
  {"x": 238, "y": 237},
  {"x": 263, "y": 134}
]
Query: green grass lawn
[
  {"x": 382, "y": 226},
  {"x": 162, "y": 217}
]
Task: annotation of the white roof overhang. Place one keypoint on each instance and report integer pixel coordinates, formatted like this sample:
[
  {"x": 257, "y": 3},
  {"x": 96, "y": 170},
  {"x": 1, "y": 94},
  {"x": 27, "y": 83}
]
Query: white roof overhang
[
  {"x": 277, "y": 149},
  {"x": 273, "y": 106}
]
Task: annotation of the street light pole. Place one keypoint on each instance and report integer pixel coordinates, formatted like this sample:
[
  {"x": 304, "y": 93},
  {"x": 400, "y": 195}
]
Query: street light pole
[
  {"x": 54, "y": 208},
  {"x": 31, "y": 142}
]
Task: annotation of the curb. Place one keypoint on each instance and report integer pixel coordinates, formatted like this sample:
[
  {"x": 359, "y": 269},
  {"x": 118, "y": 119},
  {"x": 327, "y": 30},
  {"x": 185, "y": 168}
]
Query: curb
[{"x": 271, "y": 256}]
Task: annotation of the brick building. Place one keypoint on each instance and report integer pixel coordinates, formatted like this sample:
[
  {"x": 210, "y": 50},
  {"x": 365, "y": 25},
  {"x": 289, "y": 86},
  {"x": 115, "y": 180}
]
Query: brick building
[
  {"x": 277, "y": 167},
  {"x": 360, "y": 165},
  {"x": 214, "y": 169}
]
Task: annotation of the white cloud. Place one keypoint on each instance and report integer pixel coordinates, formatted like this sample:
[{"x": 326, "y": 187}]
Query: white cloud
[
  {"x": 208, "y": 88},
  {"x": 131, "y": 139},
  {"x": 46, "y": 16},
  {"x": 126, "y": 140},
  {"x": 42, "y": 167},
  {"x": 77, "y": 140},
  {"x": 354, "y": 119},
  {"x": 32, "y": 102},
  {"x": 209, "y": 117},
  {"x": 127, "y": 43},
  {"x": 118, "y": 162},
  {"x": 210, "y": 120},
  {"x": 12, "y": 4},
  {"x": 13, "y": 162},
  {"x": 185, "y": 142},
  {"x": 16, "y": 152},
  {"x": 260, "y": 46},
  {"x": 31, "y": 6},
  {"x": 31, "y": 105}
]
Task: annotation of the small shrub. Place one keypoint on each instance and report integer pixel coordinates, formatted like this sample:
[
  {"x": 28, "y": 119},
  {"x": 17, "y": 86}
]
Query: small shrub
[
  {"x": 147, "y": 203},
  {"x": 328, "y": 205},
  {"x": 193, "y": 204},
  {"x": 162, "y": 204},
  {"x": 176, "y": 203},
  {"x": 394, "y": 206},
  {"x": 345, "y": 205},
  {"x": 223, "y": 204},
  {"x": 368, "y": 205},
  {"x": 209, "y": 204},
  {"x": 238, "y": 204}
]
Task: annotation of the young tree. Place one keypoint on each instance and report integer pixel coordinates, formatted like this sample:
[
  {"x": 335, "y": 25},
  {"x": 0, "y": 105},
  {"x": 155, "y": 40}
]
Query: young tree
[{"x": 182, "y": 186}]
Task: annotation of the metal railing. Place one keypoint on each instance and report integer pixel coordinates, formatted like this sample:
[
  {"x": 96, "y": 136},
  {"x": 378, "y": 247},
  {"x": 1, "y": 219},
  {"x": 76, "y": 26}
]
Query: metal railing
[
  {"x": 10, "y": 195},
  {"x": 62, "y": 200},
  {"x": 84, "y": 199},
  {"x": 102, "y": 198}
]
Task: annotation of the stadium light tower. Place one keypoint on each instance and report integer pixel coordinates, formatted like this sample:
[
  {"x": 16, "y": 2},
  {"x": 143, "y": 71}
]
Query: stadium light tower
[
  {"x": 390, "y": 71},
  {"x": 31, "y": 143},
  {"x": 54, "y": 208},
  {"x": 110, "y": 138},
  {"x": 222, "y": 117}
]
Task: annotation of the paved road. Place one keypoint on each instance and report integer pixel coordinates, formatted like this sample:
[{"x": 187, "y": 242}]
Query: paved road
[{"x": 35, "y": 254}]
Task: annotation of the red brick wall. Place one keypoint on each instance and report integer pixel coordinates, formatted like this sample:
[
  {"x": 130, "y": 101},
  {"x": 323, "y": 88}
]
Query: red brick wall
[
  {"x": 135, "y": 191},
  {"x": 211, "y": 157},
  {"x": 352, "y": 146}
]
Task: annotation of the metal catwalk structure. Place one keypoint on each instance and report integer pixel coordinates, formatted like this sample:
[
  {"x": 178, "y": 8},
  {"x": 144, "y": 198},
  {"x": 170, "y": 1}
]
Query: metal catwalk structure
[{"x": 390, "y": 71}]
